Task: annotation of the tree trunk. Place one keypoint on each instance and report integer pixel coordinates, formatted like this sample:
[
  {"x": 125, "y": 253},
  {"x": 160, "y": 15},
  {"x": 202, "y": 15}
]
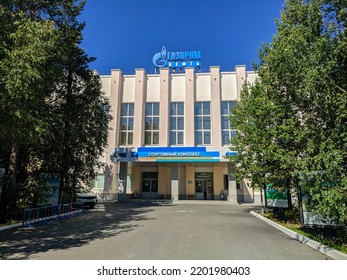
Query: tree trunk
[{"x": 10, "y": 186}]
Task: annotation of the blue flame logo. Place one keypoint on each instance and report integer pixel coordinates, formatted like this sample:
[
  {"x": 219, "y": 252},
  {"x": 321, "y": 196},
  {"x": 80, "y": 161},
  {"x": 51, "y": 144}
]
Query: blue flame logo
[{"x": 159, "y": 59}]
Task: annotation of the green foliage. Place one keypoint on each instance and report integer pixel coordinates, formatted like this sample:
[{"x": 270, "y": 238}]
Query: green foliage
[
  {"x": 301, "y": 128},
  {"x": 54, "y": 115}
]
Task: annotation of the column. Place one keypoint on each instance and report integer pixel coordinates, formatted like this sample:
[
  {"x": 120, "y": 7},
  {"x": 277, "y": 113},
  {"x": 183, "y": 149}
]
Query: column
[
  {"x": 163, "y": 180},
  {"x": 240, "y": 78},
  {"x": 189, "y": 108},
  {"x": 111, "y": 170},
  {"x": 174, "y": 181},
  {"x": 218, "y": 182},
  {"x": 129, "y": 172},
  {"x": 164, "y": 107},
  {"x": 140, "y": 99},
  {"x": 232, "y": 196},
  {"x": 190, "y": 181},
  {"x": 215, "y": 106},
  {"x": 136, "y": 181}
]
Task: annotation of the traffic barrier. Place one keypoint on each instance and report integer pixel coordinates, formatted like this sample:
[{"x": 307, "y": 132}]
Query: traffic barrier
[{"x": 42, "y": 214}]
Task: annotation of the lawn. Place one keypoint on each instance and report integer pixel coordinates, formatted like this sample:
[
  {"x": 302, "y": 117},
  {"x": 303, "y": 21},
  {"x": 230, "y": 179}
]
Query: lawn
[{"x": 334, "y": 238}]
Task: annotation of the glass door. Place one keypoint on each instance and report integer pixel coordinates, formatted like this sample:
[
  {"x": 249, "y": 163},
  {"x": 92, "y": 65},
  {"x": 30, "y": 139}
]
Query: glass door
[
  {"x": 204, "y": 187},
  {"x": 199, "y": 189},
  {"x": 150, "y": 185}
]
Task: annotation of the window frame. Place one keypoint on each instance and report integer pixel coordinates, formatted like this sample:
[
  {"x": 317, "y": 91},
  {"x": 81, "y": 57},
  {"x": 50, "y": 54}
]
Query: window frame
[
  {"x": 177, "y": 116},
  {"x": 202, "y": 123},
  {"x": 152, "y": 123},
  {"x": 128, "y": 118},
  {"x": 231, "y": 132}
]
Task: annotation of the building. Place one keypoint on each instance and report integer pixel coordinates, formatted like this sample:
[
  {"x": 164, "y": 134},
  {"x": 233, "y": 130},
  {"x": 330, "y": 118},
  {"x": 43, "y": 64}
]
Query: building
[{"x": 169, "y": 137}]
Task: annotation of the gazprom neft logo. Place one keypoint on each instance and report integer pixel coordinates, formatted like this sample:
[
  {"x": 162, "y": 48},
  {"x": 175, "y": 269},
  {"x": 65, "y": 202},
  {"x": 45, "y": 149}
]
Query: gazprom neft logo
[{"x": 177, "y": 59}]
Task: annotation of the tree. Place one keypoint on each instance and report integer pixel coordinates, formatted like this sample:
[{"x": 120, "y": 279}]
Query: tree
[
  {"x": 56, "y": 117},
  {"x": 25, "y": 56},
  {"x": 303, "y": 75}
]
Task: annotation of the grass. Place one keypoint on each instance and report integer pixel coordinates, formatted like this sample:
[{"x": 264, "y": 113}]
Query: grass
[{"x": 334, "y": 238}]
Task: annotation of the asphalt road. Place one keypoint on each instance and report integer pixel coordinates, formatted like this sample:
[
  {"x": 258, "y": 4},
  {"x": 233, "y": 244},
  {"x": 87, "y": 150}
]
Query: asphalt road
[{"x": 155, "y": 232}]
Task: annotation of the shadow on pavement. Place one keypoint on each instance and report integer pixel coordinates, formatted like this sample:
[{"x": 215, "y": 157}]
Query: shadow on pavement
[{"x": 104, "y": 221}]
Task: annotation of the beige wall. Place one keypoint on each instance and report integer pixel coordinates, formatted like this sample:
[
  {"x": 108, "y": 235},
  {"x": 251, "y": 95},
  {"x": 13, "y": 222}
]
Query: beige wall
[
  {"x": 153, "y": 88},
  {"x": 164, "y": 97},
  {"x": 163, "y": 180},
  {"x": 215, "y": 107},
  {"x": 128, "y": 89},
  {"x": 178, "y": 87},
  {"x": 203, "y": 87},
  {"x": 189, "y": 108},
  {"x": 218, "y": 180},
  {"x": 140, "y": 97},
  {"x": 240, "y": 78},
  {"x": 136, "y": 179},
  {"x": 228, "y": 86},
  {"x": 251, "y": 77},
  {"x": 190, "y": 180}
]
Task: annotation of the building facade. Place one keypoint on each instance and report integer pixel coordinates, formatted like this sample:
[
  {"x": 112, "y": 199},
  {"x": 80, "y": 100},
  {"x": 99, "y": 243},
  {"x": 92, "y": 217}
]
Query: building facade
[{"x": 169, "y": 136}]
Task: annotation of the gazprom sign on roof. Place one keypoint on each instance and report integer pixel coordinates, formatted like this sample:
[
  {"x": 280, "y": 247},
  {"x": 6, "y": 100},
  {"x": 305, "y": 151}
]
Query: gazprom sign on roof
[{"x": 177, "y": 59}]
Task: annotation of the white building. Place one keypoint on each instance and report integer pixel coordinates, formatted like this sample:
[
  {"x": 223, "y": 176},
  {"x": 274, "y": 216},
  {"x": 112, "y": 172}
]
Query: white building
[{"x": 170, "y": 133}]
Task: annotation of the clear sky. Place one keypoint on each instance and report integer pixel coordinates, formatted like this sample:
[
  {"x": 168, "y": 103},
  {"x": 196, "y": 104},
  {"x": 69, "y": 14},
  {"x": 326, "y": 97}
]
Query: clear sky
[{"x": 125, "y": 34}]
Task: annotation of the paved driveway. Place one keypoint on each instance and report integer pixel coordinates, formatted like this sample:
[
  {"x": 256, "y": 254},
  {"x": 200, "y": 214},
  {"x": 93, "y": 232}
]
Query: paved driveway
[{"x": 135, "y": 231}]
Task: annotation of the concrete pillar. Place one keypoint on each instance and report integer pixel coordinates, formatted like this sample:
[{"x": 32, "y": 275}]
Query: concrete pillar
[
  {"x": 190, "y": 180},
  {"x": 189, "y": 108},
  {"x": 163, "y": 180},
  {"x": 140, "y": 99},
  {"x": 174, "y": 181},
  {"x": 240, "y": 78},
  {"x": 164, "y": 107},
  {"x": 215, "y": 106},
  {"x": 218, "y": 181},
  {"x": 111, "y": 175},
  {"x": 129, "y": 172},
  {"x": 232, "y": 188},
  {"x": 136, "y": 180}
]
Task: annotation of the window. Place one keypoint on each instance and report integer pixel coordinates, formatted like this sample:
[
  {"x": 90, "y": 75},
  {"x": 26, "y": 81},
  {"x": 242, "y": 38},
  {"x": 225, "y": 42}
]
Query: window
[
  {"x": 152, "y": 124},
  {"x": 227, "y": 132},
  {"x": 99, "y": 181},
  {"x": 176, "y": 123},
  {"x": 126, "y": 124},
  {"x": 202, "y": 123}
]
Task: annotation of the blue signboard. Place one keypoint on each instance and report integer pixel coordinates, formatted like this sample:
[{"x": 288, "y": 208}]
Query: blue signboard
[
  {"x": 177, "y": 59},
  {"x": 231, "y": 153},
  {"x": 177, "y": 154},
  {"x": 123, "y": 155}
]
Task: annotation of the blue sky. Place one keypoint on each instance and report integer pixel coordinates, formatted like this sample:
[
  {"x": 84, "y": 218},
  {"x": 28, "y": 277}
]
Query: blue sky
[{"x": 125, "y": 34}]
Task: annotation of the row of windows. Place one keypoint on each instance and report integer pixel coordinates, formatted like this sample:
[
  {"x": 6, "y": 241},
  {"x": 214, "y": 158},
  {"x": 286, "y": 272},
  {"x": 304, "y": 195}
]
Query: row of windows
[{"x": 202, "y": 123}]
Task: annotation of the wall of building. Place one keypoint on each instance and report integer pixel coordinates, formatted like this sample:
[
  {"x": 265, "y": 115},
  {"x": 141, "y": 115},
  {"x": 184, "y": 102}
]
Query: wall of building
[{"x": 165, "y": 87}]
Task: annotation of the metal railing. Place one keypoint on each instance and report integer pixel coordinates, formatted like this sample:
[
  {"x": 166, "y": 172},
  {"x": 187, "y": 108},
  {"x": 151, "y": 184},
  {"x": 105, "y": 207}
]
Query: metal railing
[{"x": 33, "y": 216}]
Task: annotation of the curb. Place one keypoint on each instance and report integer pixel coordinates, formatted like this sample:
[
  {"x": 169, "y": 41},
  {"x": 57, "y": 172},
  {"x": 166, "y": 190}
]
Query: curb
[
  {"x": 10, "y": 226},
  {"x": 332, "y": 253}
]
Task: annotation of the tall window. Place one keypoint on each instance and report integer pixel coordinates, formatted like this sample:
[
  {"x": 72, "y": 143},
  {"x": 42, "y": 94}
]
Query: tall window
[
  {"x": 176, "y": 123},
  {"x": 202, "y": 123},
  {"x": 126, "y": 124},
  {"x": 152, "y": 124},
  {"x": 227, "y": 132}
]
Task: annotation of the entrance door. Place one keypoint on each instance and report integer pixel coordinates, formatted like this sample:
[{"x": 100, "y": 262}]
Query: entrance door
[
  {"x": 149, "y": 185},
  {"x": 204, "y": 186}
]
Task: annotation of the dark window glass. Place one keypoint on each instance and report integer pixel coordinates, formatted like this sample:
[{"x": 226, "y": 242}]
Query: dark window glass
[
  {"x": 126, "y": 123},
  {"x": 180, "y": 137},
  {"x": 207, "y": 137},
  {"x": 155, "y": 138},
  {"x": 197, "y": 108}
]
